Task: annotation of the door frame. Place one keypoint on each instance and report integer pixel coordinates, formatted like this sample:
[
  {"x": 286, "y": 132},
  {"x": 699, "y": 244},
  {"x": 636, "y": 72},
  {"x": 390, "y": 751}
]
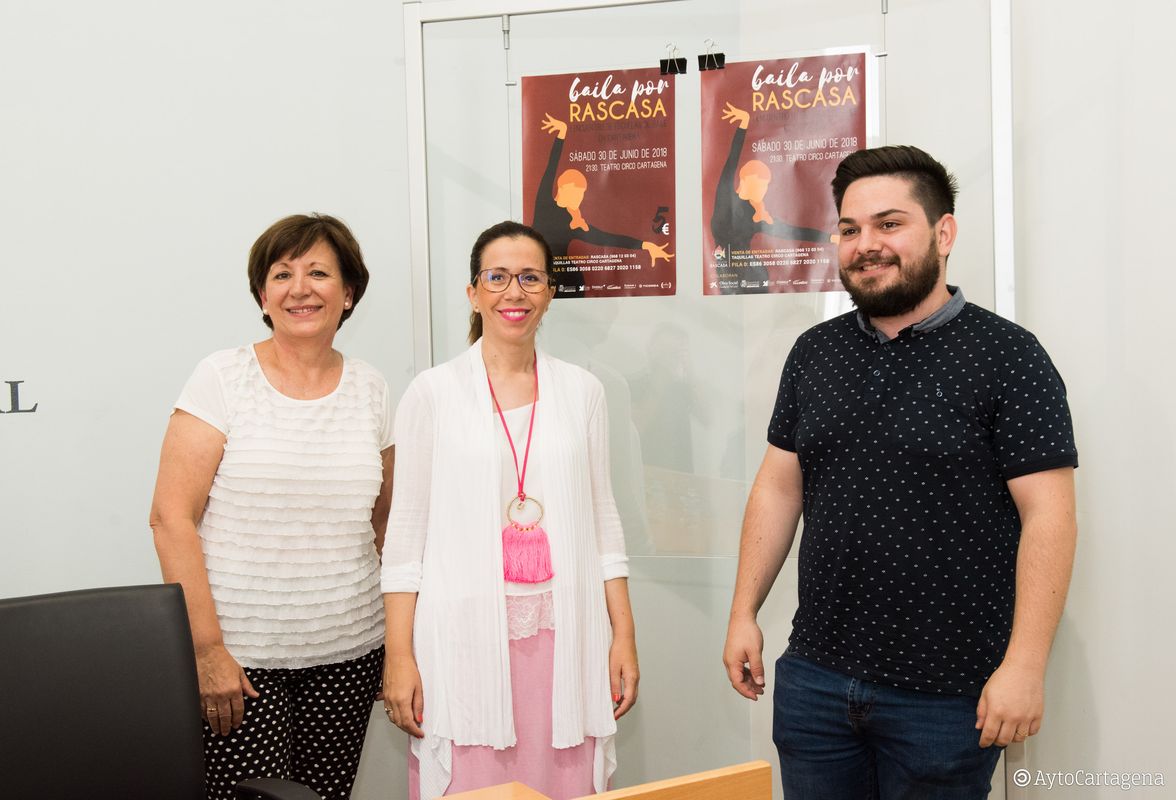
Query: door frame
[{"x": 417, "y": 13}]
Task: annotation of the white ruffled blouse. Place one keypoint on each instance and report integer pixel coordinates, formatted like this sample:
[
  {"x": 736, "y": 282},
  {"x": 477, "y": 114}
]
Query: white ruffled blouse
[{"x": 287, "y": 535}]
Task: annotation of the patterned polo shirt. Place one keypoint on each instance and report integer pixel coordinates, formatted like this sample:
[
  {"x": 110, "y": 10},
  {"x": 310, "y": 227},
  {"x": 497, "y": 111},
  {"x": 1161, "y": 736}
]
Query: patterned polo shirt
[{"x": 906, "y": 445}]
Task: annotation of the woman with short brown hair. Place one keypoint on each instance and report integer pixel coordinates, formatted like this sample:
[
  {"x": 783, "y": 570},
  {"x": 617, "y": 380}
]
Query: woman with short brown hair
[{"x": 270, "y": 509}]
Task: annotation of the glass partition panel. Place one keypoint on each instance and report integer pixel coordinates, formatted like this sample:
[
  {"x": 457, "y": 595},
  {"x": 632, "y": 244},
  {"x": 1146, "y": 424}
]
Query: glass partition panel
[{"x": 690, "y": 380}]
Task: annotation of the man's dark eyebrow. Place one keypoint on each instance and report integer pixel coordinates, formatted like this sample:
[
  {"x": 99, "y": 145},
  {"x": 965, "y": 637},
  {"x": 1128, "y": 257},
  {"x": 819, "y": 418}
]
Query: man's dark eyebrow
[{"x": 887, "y": 213}]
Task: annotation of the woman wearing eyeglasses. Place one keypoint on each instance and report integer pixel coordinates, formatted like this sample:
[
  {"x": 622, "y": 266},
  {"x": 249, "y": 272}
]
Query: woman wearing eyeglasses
[{"x": 510, "y": 642}]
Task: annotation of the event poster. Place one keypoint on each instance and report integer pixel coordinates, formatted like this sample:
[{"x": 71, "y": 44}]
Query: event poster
[
  {"x": 773, "y": 133},
  {"x": 598, "y": 179}
]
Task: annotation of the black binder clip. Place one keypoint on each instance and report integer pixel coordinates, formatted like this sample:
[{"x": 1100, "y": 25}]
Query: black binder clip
[
  {"x": 710, "y": 59},
  {"x": 674, "y": 64}
]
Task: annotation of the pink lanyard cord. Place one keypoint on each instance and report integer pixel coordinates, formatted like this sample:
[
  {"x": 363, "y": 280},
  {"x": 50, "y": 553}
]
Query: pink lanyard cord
[{"x": 520, "y": 474}]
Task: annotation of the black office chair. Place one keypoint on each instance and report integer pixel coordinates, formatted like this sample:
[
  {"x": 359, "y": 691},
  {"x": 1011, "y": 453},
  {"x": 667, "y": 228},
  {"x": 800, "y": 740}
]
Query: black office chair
[{"x": 98, "y": 699}]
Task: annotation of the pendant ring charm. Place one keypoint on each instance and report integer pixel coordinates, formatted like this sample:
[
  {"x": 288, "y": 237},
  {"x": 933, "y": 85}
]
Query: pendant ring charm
[{"x": 516, "y": 505}]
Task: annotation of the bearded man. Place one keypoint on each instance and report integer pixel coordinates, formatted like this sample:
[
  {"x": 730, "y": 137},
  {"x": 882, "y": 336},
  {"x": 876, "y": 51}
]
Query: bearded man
[{"x": 927, "y": 443}]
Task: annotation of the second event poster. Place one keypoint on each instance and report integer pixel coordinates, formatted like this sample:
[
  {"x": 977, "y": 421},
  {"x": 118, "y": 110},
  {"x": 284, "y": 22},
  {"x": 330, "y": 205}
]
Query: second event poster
[
  {"x": 598, "y": 179},
  {"x": 773, "y": 132}
]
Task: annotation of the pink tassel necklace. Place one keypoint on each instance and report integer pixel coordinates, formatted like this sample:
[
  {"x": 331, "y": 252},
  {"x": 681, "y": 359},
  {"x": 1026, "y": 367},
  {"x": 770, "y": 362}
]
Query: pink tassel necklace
[{"x": 526, "y": 553}]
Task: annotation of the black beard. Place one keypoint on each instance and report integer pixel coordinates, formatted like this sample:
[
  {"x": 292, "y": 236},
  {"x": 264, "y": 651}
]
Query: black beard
[{"x": 916, "y": 281}]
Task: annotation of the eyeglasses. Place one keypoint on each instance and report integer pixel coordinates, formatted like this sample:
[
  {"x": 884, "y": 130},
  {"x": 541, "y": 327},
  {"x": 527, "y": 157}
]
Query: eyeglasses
[{"x": 531, "y": 281}]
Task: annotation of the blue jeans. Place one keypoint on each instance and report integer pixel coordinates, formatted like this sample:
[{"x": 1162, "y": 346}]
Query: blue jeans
[{"x": 841, "y": 738}]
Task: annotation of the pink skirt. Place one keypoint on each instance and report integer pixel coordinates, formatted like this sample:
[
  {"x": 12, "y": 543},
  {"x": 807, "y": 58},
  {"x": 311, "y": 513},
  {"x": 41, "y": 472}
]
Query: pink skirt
[{"x": 559, "y": 774}]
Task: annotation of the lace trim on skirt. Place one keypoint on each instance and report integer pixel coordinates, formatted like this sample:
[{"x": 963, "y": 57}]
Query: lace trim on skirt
[{"x": 527, "y": 614}]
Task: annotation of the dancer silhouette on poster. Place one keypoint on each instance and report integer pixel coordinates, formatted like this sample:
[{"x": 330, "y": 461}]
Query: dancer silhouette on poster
[
  {"x": 739, "y": 211},
  {"x": 559, "y": 218}
]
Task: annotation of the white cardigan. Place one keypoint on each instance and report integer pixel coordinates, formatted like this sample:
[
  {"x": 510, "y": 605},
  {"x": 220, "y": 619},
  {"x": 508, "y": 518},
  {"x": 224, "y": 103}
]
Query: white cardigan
[{"x": 444, "y": 542}]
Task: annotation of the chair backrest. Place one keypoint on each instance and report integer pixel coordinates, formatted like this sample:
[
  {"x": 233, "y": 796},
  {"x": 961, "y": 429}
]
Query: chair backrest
[
  {"x": 750, "y": 781},
  {"x": 99, "y": 696}
]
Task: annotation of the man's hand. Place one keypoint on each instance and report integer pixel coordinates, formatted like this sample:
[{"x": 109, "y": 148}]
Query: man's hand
[
  {"x": 1013, "y": 700},
  {"x": 1011, "y": 705},
  {"x": 769, "y": 524},
  {"x": 743, "y": 657}
]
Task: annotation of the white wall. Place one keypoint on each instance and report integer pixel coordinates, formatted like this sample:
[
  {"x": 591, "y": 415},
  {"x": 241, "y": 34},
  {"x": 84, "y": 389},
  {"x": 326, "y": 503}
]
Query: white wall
[
  {"x": 143, "y": 147},
  {"x": 1095, "y": 209}
]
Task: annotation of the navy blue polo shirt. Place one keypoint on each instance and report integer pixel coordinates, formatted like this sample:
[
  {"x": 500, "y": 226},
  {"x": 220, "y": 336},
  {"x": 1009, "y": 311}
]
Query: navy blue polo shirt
[{"x": 908, "y": 555}]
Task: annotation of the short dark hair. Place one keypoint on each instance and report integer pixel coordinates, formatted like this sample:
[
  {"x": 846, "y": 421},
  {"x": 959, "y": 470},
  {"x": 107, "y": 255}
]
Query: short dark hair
[
  {"x": 507, "y": 229},
  {"x": 292, "y": 236},
  {"x": 932, "y": 186}
]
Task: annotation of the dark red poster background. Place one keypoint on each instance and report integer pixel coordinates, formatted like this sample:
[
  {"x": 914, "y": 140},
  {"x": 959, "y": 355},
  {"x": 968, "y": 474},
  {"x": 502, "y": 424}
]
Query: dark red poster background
[
  {"x": 603, "y": 196},
  {"x": 767, "y": 225}
]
